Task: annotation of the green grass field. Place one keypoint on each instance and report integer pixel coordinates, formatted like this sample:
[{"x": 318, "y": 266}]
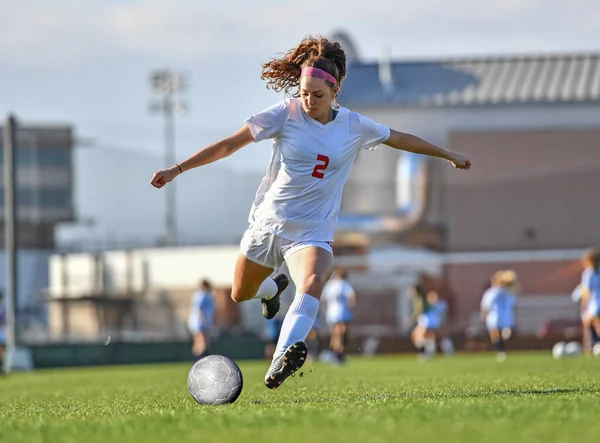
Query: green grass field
[{"x": 528, "y": 398}]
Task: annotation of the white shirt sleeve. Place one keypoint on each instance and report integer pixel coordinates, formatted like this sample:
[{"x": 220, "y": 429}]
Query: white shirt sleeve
[
  {"x": 586, "y": 279},
  {"x": 576, "y": 294},
  {"x": 270, "y": 122},
  {"x": 372, "y": 133},
  {"x": 486, "y": 300}
]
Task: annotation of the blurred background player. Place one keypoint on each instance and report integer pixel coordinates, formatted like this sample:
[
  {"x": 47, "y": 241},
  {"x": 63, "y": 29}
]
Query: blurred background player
[
  {"x": 419, "y": 306},
  {"x": 313, "y": 341},
  {"x": 200, "y": 321},
  {"x": 340, "y": 300},
  {"x": 272, "y": 331},
  {"x": 419, "y": 301},
  {"x": 443, "y": 334},
  {"x": 590, "y": 296},
  {"x": 588, "y": 332},
  {"x": 426, "y": 333},
  {"x": 497, "y": 305},
  {"x": 2, "y": 334},
  {"x": 510, "y": 282}
]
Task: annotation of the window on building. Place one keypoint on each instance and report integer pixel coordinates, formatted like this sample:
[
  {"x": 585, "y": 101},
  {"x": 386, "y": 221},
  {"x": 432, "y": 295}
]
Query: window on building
[
  {"x": 55, "y": 198},
  {"x": 31, "y": 155}
]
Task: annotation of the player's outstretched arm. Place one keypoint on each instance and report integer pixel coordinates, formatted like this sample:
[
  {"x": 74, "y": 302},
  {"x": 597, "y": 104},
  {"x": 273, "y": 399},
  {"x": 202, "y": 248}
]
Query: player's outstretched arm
[
  {"x": 209, "y": 154},
  {"x": 411, "y": 143}
]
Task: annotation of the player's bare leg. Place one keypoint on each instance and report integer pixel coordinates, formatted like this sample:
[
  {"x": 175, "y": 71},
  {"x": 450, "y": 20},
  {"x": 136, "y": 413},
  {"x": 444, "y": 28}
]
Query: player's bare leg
[
  {"x": 430, "y": 339},
  {"x": 498, "y": 343},
  {"x": 418, "y": 339},
  {"x": 596, "y": 324},
  {"x": 251, "y": 280},
  {"x": 247, "y": 278},
  {"x": 312, "y": 344},
  {"x": 334, "y": 340},
  {"x": 337, "y": 342},
  {"x": 200, "y": 344},
  {"x": 310, "y": 268},
  {"x": 340, "y": 331},
  {"x": 586, "y": 339}
]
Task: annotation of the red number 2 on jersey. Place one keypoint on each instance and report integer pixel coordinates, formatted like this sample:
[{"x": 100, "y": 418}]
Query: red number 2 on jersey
[{"x": 317, "y": 172}]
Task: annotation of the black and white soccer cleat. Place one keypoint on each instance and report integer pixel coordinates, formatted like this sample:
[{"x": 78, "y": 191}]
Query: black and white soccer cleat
[{"x": 286, "y": 364}]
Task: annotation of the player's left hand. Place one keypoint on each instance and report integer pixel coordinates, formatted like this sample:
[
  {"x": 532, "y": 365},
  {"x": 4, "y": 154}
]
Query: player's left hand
[
  {"x": 460, "y": 161},
  {"x": 164, "y": 176}
]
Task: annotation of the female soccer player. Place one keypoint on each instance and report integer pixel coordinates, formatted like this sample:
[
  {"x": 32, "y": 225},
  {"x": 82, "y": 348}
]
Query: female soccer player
[
  {"x": 340, "y": 300},
  {"x": 296, "y": 207}
]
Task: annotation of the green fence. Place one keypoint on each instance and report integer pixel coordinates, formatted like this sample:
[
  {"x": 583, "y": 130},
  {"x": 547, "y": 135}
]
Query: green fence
[{"x": 115, "y": 353}]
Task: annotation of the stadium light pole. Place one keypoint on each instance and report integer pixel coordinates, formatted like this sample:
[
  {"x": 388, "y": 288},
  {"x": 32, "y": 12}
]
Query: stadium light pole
[
  {"x": 166, "y": 85},
  {"x": 10, "y": 236}
]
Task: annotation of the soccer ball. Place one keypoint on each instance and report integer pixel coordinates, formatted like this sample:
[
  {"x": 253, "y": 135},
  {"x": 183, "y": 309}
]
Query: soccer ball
[
  {"x": 573, "y": 349},
  {"x": 215, "y": 380},
  {"x": 596, "y": 350},
  {"x": 558, "y": 350}
]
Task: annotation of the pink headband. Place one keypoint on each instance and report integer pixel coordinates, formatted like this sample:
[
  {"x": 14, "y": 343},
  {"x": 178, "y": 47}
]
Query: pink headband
[{"x": 319, "y": 73}]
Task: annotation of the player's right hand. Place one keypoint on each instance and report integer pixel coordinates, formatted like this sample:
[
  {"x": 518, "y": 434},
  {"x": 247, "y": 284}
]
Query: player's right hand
[
  {"x": 164, "y": 176},
  {"x": 460, "y": 161}
]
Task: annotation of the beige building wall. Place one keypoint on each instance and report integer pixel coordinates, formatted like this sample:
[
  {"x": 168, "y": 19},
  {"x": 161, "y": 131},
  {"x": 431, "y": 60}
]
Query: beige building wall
[{"x": 526, "y": 190}]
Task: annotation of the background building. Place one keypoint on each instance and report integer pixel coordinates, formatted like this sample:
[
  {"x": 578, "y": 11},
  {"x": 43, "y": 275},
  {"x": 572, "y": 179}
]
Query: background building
[
  {"x": 44, "y": 183},
  {"x": 44, "y": 198},
  {"x": 530, "y": 125}
]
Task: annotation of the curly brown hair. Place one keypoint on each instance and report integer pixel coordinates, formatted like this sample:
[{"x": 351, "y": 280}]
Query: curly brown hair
[{"x": 283, "y": 74}]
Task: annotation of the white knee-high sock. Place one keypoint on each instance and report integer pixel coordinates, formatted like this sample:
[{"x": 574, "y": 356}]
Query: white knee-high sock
[
  {"x": 268, "y": 289},
  {"x": 298, "y": 322}
]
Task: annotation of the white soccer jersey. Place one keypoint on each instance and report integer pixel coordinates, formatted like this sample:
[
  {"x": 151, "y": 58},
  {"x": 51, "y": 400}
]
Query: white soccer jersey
[{"x": 300, "y": 196}]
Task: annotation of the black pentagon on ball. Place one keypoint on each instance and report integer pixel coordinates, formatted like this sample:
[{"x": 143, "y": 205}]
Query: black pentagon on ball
[{"x": 215, "y": 380}]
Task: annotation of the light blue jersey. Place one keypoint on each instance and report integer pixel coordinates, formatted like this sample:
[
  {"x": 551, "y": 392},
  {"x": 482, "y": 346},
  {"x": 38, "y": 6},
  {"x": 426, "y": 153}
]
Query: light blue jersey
[
  {"x": 202, "y": 312},
  {"x": 338, "y": 294},
  {"x": 435, "y": 316},
  {"x": 576, "y": 294},
  {"x": 509, "y": 313},
  {"x": 590, "y": 280},
  {"x": 499, "y": 304}
]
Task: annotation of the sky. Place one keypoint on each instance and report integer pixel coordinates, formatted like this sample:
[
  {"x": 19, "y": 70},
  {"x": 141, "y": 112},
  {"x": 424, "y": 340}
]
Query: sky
[{"x": 87, "y": 62}]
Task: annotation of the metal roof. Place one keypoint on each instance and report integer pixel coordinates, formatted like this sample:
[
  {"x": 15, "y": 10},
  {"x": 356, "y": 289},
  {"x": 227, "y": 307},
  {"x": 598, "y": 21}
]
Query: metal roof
[{"x": 550, "y": 78}]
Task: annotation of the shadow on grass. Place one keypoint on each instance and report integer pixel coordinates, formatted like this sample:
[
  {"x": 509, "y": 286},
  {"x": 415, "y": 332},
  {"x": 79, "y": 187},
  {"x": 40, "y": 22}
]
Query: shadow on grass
[
  {"x": 511, "y": 392},
  {"x": 438, "y": 395}
]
